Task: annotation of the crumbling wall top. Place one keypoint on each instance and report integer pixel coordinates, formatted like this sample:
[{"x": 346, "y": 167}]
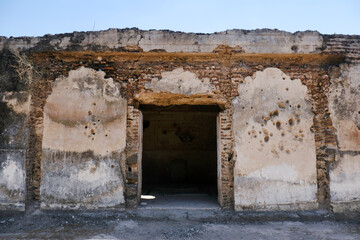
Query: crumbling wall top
[{"x": 133, "y": 39}]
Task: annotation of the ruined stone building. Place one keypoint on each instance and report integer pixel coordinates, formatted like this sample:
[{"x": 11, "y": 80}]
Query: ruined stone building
[{"x": 263, "y": 119}]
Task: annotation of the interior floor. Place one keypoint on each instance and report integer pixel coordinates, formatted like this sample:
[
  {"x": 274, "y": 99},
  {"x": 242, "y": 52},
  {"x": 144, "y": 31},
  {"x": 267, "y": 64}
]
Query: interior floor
[
  {"x": 179, "y": 201},
  {"x": 179, "y": 164}
]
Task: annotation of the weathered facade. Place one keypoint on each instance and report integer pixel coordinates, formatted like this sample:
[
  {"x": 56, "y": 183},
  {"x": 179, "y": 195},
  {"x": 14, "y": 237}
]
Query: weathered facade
[{"x": 284, "y": 110}]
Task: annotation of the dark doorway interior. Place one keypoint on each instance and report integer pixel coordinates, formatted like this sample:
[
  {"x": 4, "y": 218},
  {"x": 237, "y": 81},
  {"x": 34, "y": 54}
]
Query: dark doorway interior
[{"x": 179, "y": 150}]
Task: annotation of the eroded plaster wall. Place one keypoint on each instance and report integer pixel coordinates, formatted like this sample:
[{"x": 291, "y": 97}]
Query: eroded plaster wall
[
  {"x": 344, "y": 105},
  {"x": 261, "y": 40},
  {"x": 15, "y": 106},
  {"x": 14, "y": 113},
  {"x": 83, "y": 142},
  {"x": 275, "y": 166},
  {"x": 167, "y": 68},
  {"x": 179, "y": 81}
]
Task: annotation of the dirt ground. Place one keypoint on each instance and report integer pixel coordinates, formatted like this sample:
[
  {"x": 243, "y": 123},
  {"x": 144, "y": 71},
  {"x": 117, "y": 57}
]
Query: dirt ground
[{"x": 178, "y": 224}]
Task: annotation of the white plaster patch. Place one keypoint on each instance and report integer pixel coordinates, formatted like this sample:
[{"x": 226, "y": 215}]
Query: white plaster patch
[
  {"x": 98, "y": 175},
  {"x": 85, "y": 112},
  {"x": 344, "y": 106},
  {"x": 13, "y": 102},
  {"x": 283, "y": 172},
  {"x": 64, "y": 42},
  {"x": 263, "y": 194},
  {"x": 12, "y": 175},
  {"x": 258, "y": 41},
  {"x": 82, "y": 91},
  {"x": 83, "y": 137},
  {"x": 182, "y": 82},
  {"x": 274, "y": 147},
  {"x": 345, "y": 179},
  {"x": 101, "y": 138},
  {"x": 75, "y": 180}
]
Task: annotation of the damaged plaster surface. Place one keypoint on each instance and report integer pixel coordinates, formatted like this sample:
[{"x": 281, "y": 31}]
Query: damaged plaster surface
[
  {"x": 12, "y": 180},
  {"x": 344, "y": 106},
  {"x": 83, "y": 140},
  {"x": 15, "y": 106},
  {"x": 180, "y": 82},
  {"x": 344, "y": 183},
  {"x": 255, "y": 41},
  {"x": 275, "y": 165},
  {"x": 179, "y": 87},
  {"x": 75, "y": 144}
]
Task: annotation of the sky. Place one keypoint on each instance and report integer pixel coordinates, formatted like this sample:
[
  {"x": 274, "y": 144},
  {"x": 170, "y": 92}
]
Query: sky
[{"x": 40, "y": 17}]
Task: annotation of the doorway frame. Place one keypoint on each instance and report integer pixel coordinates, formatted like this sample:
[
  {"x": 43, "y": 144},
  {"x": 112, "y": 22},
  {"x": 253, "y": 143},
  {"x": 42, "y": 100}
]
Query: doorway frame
[{"x": 132, "y": 166}]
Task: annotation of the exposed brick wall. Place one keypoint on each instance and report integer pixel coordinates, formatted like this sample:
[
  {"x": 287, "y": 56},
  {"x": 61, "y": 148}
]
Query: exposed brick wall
[
  {"x": 343, "y": 44},
  {"x": 226, "y": 68},
  {"x": 326, "y": 138},
  {"x": 226, "y": 193},
  {"x": 39, "y": 91},
  {"x": 317, "y": 82},
  {"x": 133, "y": 154}
]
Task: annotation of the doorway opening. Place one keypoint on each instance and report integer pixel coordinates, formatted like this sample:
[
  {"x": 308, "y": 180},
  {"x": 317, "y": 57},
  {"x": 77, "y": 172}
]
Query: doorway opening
[{"x": 179, "y": 158}]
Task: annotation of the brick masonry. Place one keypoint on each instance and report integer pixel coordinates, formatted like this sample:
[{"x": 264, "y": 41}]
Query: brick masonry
[
  {"x": 133, "y": 73},
  {"x": 226, "y": 69}
]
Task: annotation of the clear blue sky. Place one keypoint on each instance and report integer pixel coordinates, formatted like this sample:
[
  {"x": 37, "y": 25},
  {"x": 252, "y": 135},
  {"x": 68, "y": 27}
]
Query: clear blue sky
[{"x": 39, "y": 17}]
